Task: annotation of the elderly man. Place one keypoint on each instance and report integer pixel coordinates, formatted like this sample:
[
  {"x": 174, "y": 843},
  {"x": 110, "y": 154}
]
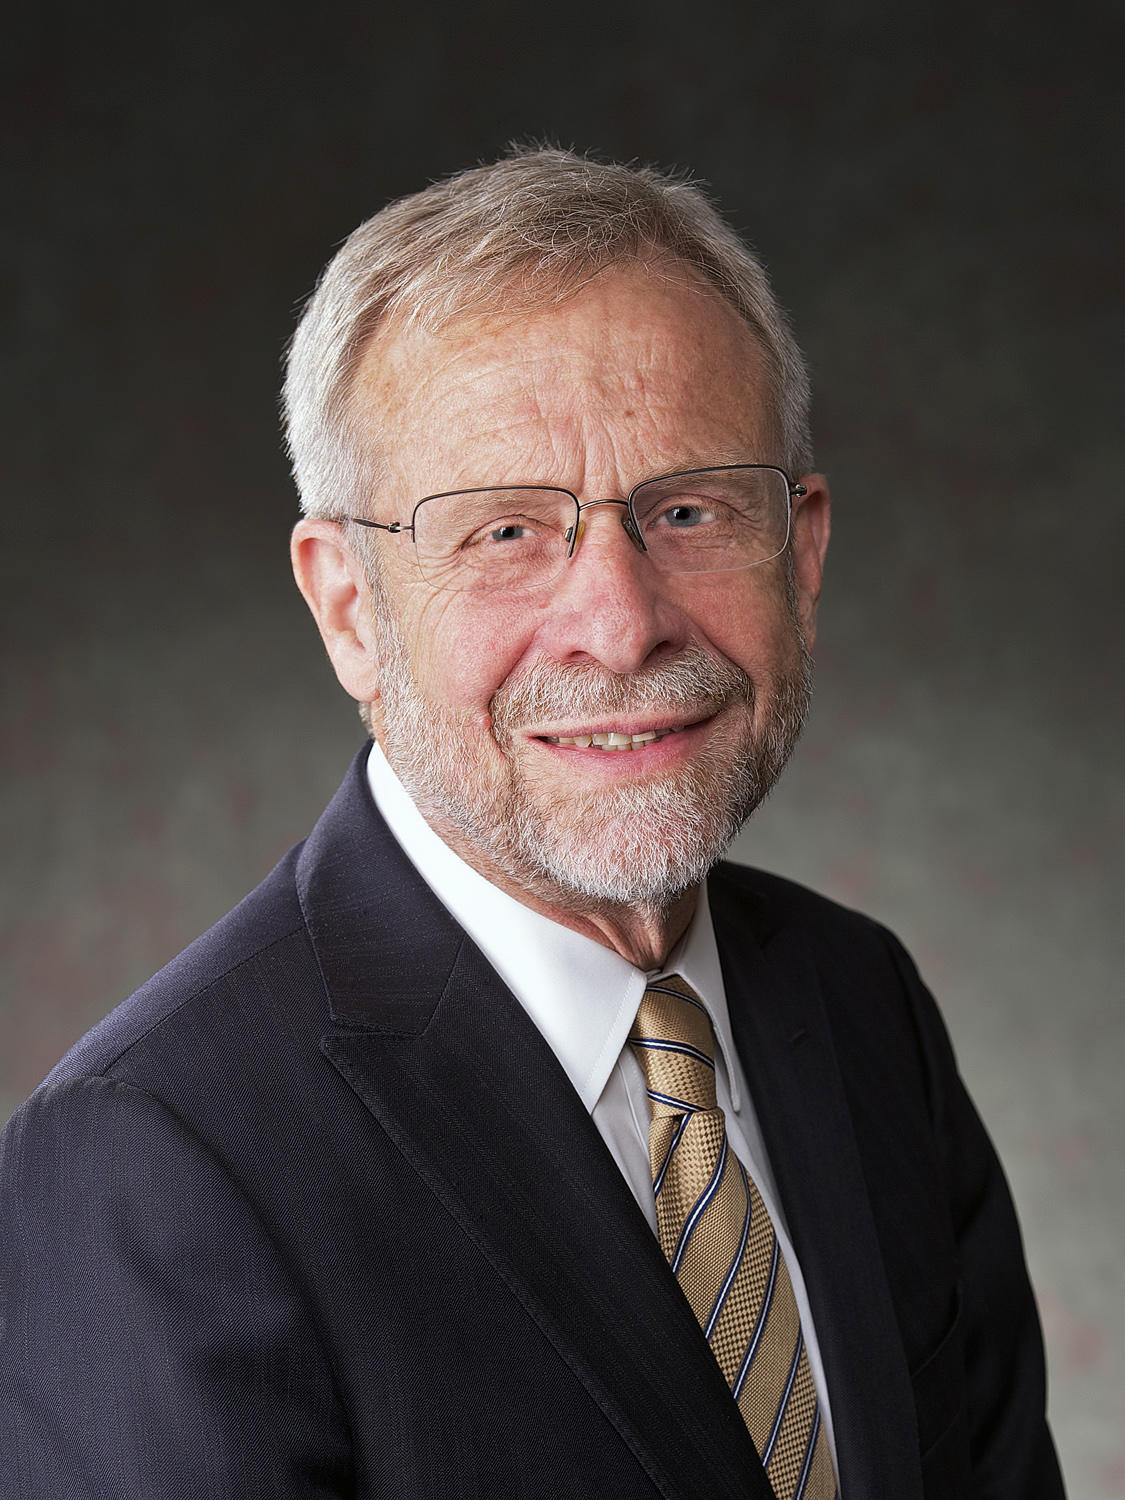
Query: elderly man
[{"x": 503, "y": 1141}]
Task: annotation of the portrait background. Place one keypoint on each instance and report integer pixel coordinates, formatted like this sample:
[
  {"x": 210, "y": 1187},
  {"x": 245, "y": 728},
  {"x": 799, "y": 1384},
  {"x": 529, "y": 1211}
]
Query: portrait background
[{"x": 934, "y": 200}]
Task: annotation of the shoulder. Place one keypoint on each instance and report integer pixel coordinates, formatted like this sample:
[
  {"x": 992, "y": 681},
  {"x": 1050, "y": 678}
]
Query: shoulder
[
  {"x": 772, "y": 910},
  {"x": 873, "y": 1000},
  {"x": 217, "y": 1057},
  {"x": 264, "y": 932}
]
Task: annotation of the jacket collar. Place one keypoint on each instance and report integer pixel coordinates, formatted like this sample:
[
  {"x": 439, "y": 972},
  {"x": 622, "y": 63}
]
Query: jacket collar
[
  {"x": 783, "y": 1037},
  {"x": 385, "y": 946}
]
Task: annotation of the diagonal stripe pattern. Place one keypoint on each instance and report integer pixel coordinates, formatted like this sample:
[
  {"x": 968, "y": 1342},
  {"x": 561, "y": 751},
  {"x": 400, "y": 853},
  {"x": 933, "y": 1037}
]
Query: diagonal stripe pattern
[{"x": 720, "y": 1242}]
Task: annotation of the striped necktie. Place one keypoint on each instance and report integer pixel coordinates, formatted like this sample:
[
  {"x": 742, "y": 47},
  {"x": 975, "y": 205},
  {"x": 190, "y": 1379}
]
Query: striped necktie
[{"x": 721, "y": 1244}]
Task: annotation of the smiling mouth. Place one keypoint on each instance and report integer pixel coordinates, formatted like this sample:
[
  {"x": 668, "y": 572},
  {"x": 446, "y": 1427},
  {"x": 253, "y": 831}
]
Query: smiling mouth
[{"x": 613, "y": 739}]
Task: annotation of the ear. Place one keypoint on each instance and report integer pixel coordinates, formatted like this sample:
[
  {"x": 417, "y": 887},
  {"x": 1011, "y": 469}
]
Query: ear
[
  {"x": 811, "y": 525},
  {"x": 332, "y": 579}
]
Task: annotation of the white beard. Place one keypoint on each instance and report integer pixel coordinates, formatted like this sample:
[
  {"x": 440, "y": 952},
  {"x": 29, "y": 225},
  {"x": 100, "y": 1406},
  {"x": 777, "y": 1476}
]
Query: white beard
[{"x": 639, "y": 844}]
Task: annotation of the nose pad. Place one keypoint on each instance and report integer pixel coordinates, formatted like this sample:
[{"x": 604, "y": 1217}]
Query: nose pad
[
  {"x": 574, "y": 534},
  {"x": 632, "y": 531}
]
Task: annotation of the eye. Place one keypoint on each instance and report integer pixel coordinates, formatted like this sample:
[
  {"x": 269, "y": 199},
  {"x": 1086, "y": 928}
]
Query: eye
[
  {"x": 503, "y": 533},
  {"x": 510, "y": 531},
  {"x": 684, "y": 516}
]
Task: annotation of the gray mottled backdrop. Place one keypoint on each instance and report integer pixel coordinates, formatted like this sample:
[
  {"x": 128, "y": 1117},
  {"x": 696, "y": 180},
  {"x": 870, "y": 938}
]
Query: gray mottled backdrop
[{"x": 934, "y": 199}]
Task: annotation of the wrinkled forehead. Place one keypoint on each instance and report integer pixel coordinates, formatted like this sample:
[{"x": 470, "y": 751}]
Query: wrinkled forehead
[{"x": 651, "y": 343}]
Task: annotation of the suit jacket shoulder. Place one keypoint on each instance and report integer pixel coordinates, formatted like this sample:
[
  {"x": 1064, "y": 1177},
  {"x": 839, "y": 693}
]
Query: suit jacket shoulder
[{"x": 269, "y": 915}]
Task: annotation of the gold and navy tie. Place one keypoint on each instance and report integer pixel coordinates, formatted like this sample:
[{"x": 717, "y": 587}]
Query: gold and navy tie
[{"x": 721, "y": 1244}]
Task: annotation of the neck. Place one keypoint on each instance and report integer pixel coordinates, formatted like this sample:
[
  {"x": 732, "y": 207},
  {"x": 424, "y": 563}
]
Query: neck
[{"x": 644, "y": 933}]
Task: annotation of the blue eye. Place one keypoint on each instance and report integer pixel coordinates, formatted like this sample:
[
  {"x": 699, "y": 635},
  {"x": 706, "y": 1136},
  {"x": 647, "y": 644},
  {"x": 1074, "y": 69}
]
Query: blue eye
[
  {"x": 684, "y": 516},
  {"x": 511, "y": 532}
]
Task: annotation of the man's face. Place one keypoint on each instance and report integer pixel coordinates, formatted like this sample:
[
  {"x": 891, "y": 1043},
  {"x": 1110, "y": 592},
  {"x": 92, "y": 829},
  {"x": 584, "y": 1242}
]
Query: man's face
[{"x": 636, "y": 376}]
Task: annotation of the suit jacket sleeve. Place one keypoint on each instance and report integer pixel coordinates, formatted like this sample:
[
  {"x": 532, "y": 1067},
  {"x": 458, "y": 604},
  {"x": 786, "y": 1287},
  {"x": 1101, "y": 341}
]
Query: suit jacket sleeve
[
  {"x": 129, "y": 1366},
  {"x": 996, "y": 1333}
]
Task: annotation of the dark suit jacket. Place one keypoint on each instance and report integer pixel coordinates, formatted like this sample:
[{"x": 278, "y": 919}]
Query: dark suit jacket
[{"x": 317, "y": 1213}]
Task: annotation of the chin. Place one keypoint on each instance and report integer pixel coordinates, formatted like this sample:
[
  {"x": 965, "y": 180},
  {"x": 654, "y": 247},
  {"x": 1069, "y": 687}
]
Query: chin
[{"x": 639, "y": 845}]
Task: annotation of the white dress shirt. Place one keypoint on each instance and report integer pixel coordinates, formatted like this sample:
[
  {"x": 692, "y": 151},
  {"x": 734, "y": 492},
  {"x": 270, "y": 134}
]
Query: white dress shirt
[{"x": 583, "y": 997}]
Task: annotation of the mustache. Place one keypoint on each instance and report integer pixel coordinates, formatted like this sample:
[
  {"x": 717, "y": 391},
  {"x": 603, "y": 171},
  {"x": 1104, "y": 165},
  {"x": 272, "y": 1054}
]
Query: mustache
[{"x": 559, "y": 690}]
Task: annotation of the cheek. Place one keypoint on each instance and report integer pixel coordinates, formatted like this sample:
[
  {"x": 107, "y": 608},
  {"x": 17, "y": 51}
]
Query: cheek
[
  {"x": 463, "y": 649},
  {"x": 745, "y": 617}
]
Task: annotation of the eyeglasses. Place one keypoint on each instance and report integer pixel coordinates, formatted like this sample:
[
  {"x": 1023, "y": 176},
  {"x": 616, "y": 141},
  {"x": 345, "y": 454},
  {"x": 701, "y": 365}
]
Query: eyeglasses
[{"x": 516, "y": 538}]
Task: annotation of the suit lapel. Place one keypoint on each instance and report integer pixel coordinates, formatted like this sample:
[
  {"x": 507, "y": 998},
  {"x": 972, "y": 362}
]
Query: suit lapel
[
  {"x": 465, "y": 1086},
  {"x": 783, "y": 1039}
]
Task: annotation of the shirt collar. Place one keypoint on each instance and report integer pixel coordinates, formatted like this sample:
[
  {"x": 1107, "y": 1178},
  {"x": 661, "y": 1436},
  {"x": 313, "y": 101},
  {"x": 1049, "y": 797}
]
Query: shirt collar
[{"x": 581, "y": 995}]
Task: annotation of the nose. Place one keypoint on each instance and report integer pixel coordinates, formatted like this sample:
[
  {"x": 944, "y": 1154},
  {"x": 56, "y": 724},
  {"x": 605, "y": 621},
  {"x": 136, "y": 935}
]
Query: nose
[{"x": 610, "y": 605}]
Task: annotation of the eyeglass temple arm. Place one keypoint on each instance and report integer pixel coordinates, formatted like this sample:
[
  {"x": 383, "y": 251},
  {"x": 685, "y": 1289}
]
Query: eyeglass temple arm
[{"x": 394, "y": 526}]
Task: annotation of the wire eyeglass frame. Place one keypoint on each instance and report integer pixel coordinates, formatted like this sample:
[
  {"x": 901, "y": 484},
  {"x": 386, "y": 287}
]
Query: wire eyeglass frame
[{"x": 630, "y": 522}]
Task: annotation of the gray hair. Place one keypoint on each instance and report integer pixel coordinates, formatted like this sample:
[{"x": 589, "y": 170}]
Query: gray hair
[{"x": 521, "y": 233}]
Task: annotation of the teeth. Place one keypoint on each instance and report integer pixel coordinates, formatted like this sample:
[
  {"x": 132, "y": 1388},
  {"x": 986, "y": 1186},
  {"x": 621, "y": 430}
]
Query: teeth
[{"x": 614, "y": 739}]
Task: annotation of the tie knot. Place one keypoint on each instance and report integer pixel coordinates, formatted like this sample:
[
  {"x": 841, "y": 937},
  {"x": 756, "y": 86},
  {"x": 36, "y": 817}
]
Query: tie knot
[{"x": 675, "y": 1045}]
